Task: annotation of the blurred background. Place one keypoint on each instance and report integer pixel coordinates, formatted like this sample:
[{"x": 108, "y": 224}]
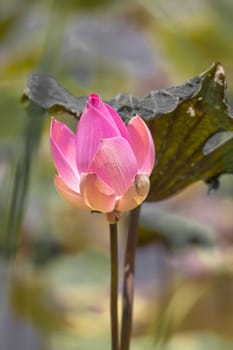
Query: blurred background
[{"x": 54, "y": 293}]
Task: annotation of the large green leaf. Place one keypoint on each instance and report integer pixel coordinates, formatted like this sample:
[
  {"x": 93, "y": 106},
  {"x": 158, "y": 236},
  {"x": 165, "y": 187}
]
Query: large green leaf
[
  {"x": 192, "y": 126},
  {"x": 194, "y": 141}
]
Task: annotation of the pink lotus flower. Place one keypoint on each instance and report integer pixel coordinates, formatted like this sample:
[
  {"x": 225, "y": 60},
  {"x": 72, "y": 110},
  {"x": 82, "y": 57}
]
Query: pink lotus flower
[{"x": 106, "y": 166}]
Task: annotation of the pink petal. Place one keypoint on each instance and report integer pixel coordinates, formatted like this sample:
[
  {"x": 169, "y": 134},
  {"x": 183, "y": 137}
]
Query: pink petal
[
  {"x": 111, "y": 115},
  {"x": 94, "y": 125},
  {"x": 115, "y": 163},
  {"x": 68, "y": 194},
  {"x": 96, "y": 194},
  {"x": 142, "y": 144},
  {"x": 120, "y": 124},
  {"x": 136, "y": 194},
  {"x": 62, "y": 142},
  {"x": 65, "y": 138}
]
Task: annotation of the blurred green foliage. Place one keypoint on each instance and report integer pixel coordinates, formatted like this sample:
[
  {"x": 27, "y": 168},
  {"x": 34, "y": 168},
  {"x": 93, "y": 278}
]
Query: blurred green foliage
[{"x": 58, "y": 281}]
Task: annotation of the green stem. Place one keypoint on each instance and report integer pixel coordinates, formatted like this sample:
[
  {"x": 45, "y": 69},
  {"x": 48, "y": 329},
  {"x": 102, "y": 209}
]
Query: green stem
[
  {"x": 114, "y": 286},
  {"x": 128, "y": 283},
  {"x": 32, "y": 136}
]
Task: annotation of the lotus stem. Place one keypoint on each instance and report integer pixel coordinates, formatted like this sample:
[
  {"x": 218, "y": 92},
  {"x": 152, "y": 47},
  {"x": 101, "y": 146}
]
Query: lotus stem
[
  {"x": 128, "y": 283},
  {"x": 114, "y": 286}
]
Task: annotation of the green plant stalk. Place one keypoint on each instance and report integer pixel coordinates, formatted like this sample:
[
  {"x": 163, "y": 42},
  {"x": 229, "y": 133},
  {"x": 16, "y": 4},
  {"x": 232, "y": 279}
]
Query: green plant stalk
[
  {"x": 114, "y": 286},
  {"x": 128, "y": 283},
  {"x": 32, "y": 136}
]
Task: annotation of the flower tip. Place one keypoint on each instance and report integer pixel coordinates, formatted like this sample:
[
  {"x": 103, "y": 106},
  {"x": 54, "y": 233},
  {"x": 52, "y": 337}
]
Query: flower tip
[
  {"x": 55, "y": 127},
  {"x": 53, "y": 121},
  {"x": 93, "y": 100}
]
